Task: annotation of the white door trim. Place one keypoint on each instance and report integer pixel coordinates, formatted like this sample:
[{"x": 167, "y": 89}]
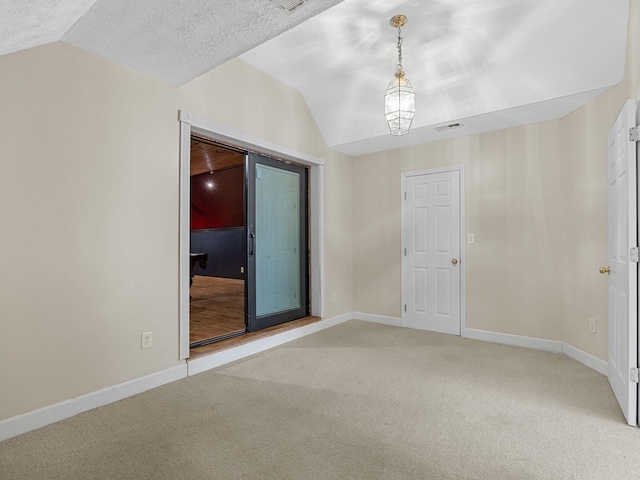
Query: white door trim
[
  {"x": 463, "y": 259},
  {"x": 192, "y": 124}
]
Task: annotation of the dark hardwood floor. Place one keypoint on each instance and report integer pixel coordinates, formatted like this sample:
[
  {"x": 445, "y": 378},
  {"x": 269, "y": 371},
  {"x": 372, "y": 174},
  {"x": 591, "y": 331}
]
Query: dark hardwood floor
[{"x": 216, "y": 307}]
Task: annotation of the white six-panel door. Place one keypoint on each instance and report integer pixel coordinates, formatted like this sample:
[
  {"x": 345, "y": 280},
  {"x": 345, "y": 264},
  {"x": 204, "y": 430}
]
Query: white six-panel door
[
  {"x": 431, "y": 263},
  {"x": 623, "y": 269}
]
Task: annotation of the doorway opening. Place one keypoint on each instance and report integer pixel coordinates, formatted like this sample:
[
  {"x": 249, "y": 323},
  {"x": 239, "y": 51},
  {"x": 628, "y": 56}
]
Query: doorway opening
[
  {"x": 193, "y": 125},
  {"x": 248, "y": 245},
  {"x": 217, "y": 245}
]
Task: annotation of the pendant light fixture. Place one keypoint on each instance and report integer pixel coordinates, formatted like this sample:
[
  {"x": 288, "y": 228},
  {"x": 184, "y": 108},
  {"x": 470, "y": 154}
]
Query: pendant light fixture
[{"x": 399, "y": 106}]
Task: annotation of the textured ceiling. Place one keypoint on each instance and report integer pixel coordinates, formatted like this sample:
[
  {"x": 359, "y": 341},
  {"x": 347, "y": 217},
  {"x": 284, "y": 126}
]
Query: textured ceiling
[
  {"x": 173, "y": 41},
  {"x": 488, "y": 64},
  {"x": 29, "y": 23},
  {"x": 179, "y": 41}
]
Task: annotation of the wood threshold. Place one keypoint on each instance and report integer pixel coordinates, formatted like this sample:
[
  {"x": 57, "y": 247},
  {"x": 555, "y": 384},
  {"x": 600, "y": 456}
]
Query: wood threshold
[{"x": 249, "y": 337}]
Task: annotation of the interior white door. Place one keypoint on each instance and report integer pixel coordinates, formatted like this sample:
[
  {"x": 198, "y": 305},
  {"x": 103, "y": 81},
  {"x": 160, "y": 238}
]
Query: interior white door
[
  {"x": 431, "y": 253},
  {"x": 623, "y": 270}
]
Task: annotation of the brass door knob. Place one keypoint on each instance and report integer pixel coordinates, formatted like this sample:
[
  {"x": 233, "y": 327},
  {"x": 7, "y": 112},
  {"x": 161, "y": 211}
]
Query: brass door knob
[
  {"x": 454, "y": 260},
  {"x": 605, "y": 270}
]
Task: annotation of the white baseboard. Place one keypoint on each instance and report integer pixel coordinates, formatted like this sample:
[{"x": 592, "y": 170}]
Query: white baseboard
[
  {"x": 393, "y": 321},
  {"x": 214, "y": 360},
  {"x": 514, "y": 340},
  {"x": 26, "y": 422},
  {"x": 554, "y": 346},
  {"x": 585, "y": 358}
]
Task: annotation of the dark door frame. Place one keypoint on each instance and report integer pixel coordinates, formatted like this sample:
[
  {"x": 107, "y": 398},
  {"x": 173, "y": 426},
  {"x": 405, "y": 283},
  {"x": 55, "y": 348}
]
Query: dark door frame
[{"x": 253, "y": 321}]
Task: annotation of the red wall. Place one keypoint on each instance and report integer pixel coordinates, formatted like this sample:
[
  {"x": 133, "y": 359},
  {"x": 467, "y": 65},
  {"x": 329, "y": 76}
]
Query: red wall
[{"x": 221, "y": 204}]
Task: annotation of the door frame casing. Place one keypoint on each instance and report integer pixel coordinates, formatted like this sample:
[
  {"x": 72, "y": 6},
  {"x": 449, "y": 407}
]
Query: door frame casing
[
  {"x": 192, "y": 124},
  {"x": 463, "y": 260}
]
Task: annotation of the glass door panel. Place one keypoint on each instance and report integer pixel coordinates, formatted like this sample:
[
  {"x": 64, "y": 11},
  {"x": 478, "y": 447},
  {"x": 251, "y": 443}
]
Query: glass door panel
[{"x": 277, "y": 242}]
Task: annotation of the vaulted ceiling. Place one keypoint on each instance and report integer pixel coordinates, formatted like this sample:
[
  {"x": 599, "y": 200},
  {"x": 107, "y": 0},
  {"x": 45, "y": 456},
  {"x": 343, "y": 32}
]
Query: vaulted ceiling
[
  {"x": 173, "y": 41},
  {"x": 482, "y": 64}
]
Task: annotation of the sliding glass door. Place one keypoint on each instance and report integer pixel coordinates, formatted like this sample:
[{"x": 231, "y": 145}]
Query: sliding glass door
[{"x": 277, "y": 253}]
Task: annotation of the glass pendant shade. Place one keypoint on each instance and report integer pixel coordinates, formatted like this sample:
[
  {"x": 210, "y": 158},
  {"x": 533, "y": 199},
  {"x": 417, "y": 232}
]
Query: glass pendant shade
[{"x": 399, "y": 106}]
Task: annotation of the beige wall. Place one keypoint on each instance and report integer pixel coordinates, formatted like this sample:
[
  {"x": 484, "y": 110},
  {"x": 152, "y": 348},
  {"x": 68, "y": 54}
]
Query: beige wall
[
  {"x": 583, "y": 157},
  {"x": 89, "y": 209},
  {"x": 536, "y": 201},
  {"x": 513, "y": 283}
]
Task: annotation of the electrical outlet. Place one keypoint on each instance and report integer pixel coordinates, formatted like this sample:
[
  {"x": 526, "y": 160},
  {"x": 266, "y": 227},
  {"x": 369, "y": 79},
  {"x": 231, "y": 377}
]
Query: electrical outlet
[
  {"x": 333, "y": 298},
  {"x": 471, "y": 238},
  {"x": 147, "y": 340},
  {"x": 241, "y": 269},
  {"x": 592, "y": 325}
]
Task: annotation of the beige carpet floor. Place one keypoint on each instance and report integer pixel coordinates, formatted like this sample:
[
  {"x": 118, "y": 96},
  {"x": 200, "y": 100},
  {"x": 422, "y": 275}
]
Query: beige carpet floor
[{"x": 357, "y": 401}]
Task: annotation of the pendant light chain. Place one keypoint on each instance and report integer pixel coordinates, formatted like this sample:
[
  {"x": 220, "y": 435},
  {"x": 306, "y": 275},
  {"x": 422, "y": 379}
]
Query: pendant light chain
[{"x": 399, "y": 49}]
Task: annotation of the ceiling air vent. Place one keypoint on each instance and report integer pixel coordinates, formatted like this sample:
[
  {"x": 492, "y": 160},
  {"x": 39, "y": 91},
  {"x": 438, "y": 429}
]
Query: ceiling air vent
[
  {"x": 288, "y": 5},
  {"x": 449, "y": 126}
]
